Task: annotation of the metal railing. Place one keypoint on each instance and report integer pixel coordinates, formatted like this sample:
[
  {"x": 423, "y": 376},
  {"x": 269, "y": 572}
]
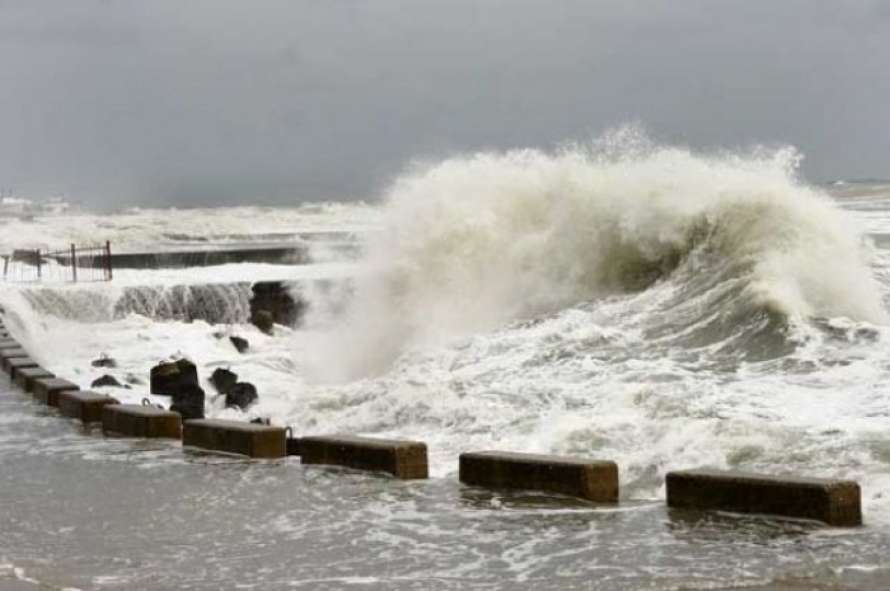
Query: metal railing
[{"x": 73, "y": 264}]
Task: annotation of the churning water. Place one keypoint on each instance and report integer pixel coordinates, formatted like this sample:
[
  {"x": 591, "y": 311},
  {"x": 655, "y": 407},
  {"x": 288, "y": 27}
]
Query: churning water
[{"x": 626, "y": 301}]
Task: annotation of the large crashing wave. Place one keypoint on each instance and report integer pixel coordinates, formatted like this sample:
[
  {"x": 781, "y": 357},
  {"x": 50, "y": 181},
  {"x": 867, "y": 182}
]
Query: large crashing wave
[{"x": 478, "y": 240}]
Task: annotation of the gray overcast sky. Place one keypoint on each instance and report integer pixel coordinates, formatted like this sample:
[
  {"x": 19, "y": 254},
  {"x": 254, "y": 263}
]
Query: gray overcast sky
[{"x": 223, "y": 101}]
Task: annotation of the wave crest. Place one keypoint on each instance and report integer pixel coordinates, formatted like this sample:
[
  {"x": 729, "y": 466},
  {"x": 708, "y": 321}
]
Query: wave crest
[{"x": 482, "y": 239}]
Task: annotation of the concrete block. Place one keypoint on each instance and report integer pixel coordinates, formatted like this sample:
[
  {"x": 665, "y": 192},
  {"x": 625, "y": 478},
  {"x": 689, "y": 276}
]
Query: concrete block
[
  {"x": 138, "y": 420},
  {"x": 24, "y": 377},
  {"x": 402, "y": 459},
  {"x": 8, "y": 343},
  {"x": 7, "y": 354},
  {"x": 237, "y": 437},
  {"x": 595, "y": 480},
  {"x": 84, "y": 404},
  {"x": 835, "y": 502},
  {"x": 46, "y": 390},
  {"x": 13, "y": 364}
]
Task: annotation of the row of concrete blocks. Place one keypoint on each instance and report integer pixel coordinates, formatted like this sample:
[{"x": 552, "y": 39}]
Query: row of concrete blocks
[{"x": 834, "y": 502}]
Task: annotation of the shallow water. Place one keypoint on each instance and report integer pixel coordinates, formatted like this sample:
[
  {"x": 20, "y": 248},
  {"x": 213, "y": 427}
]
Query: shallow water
[{"x": 84, "y": 512}]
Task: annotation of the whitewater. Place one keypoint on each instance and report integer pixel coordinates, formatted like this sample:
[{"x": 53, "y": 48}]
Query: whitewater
[{"x": 622, "y": 300}]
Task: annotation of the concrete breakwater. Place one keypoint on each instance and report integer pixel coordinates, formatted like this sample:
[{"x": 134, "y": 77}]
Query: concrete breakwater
[
  {"x": 832, "y": 502},
  {"x": 286, "y": 301}
]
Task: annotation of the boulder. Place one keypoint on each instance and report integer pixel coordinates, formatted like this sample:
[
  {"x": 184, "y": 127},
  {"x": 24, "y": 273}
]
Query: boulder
[
  {"x": 240, "y": 343},
  {"x": 133, "y": 379},
  {"x": 104, "y": 361},
  {"x": 188, "y": 401},
  {"x": 107, "y": 380},
  {"x": 242, "y": 395},
  {"x": 168, "y": 378},
  {"x": 223, "y": 380},
  {"x": 276, "y": 298},
  {"x": 263, "y": 320}
]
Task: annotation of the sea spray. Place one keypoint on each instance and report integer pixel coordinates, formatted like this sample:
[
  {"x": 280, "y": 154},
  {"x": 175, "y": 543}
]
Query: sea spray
[{"x": 479, "y": 240}]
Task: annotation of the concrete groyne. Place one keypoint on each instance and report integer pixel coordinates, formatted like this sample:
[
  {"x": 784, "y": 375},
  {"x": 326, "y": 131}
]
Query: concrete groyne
[
  {"x": 249, "y": 439},
  {"x": 833, "y": 502},
  {"x": 140, "y": 420},
  {"x": 594, "y": 480},
  {"x": 400, "y": 458}
]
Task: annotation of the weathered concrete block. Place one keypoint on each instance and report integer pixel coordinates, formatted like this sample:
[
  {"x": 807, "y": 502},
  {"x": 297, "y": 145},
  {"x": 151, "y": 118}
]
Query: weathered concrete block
[
  {"x": 13, "y": 364},
  {"x": 8, "y": 343},
  {"x": 46, "y": 390},
  {"x": 595, "y": 480},
  {"x": 25, "y": 376},
  {"x": 137, "y": 420},
  {"x": 84, "y": 404},
  {"x": 835, "y": 502},
  {"x": 402, "y": 459},
  {"x": 249, "y": 439},
  {"x": 293, "y": 446},
  {"x": 7, "y": 354}
]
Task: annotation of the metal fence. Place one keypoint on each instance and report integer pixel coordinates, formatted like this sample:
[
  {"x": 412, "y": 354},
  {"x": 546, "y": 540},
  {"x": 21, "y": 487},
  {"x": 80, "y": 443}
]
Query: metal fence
[{"x": 73, "y": 264}]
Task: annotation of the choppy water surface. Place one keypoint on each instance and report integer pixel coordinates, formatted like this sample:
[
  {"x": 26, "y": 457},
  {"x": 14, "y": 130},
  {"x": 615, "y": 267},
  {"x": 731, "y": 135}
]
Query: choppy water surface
[
  {"x": 81, "y": 511},
  {"x": 659, "y": 308}
]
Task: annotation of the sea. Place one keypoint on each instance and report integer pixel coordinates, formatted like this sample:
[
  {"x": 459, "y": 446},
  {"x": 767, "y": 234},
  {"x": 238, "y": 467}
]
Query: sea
[{"x": 659, "y": 307}]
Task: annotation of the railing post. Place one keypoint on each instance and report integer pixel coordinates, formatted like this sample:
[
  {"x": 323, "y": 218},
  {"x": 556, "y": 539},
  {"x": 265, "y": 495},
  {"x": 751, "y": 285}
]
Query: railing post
[
  {"x": 74, "y": 263},
  {"x": 39, "y": 270},
  {"x": 108, "y": 258}
]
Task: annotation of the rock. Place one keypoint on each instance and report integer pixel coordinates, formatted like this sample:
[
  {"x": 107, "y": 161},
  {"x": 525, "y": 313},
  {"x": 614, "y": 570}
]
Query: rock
[
  {"x": 261, "y": 421},
  {"x": 104, "y": 361},
  {"x": 188, "y": 401},
  {"x": 168, "y": 378},
  {"x": 263, "y": 320},
  {"x": 242, "y": 395},
  {"x": 133, "y": 379},
  {"x": 240, "y": 343},
  {"x": 275, "y": 297},
  {"x": 107, "y": 380},
  {"x": 223, "y": 380}
]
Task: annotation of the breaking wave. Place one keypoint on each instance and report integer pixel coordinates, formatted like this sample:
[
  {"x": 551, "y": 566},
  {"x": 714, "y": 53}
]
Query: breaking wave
[{"x": 732, "y": 240}]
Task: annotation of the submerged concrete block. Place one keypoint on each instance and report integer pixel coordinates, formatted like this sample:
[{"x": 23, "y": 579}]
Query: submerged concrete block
[
  {"x": 137, "y": 420},
  {"x": 595, "y": 480},
  {"x": 46, "y": 390},
  {"x": 84, "y": 404},
  {"x": 835, "y": 502},
  {"x": 24, "y": 377},
  {"x": 7, "y": 354},
  {"x": 402, "y": 459},
  {"x": 237, "y": 437},
  {"x": 13, "y": 364}
]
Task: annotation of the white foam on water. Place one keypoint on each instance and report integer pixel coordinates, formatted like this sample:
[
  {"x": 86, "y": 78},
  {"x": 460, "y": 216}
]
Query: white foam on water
[{"x": 645, "y": 304}]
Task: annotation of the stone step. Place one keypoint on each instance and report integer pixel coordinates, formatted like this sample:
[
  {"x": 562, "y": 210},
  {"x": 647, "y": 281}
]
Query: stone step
[
  {"x": 835, "y": 502},
  {"x": 138, "y": 420},
  {"x": 24, "y": 377},
  {"x": 594, "y": 480},
  {"x": 401, "y": 458},
  {"x": 46, "y": 390},
  {"x": 14, "y": 364},
  {"x": 84, "y": 404},
  {"x": 237, "y": 437},
  {"x": 7, "y": 354}
]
